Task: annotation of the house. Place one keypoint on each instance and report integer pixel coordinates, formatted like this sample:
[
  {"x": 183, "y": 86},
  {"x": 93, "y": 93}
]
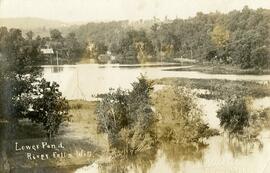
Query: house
[
  {"x": 47, "y": 51},
  {"x": 47, "y": 54}
]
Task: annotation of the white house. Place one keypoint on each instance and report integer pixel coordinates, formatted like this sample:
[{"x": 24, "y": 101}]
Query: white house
[{"x": 47, "y": 51}]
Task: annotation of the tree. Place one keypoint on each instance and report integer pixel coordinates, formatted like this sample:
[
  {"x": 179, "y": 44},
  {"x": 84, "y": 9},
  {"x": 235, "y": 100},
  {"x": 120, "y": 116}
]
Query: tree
[
  {"x": 49, "y": 108},
  {"x": 136, "y": 47},
  {"x": 22, "y": 87},
  {"x": 140, "y": 105},
  {"x": 74, "y": 48},
  {"x": 180, "y": 118},
  {"x": 128, "y": 119},
  {"x": 56, "y": 35},
  {"x": 239, "y": 119},
  {"x": 234, "y": 115},
  {"x": 220, "y": 36},
  {"x": 30, "y": 35}
]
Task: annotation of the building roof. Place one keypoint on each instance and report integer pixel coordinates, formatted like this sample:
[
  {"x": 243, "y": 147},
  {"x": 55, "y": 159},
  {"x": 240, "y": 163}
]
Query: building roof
[{"x": 47, "y": 51}]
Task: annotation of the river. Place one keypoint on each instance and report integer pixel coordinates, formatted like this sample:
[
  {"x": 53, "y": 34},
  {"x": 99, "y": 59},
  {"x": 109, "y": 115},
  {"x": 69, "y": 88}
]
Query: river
[{"x": 222, "y": 155}]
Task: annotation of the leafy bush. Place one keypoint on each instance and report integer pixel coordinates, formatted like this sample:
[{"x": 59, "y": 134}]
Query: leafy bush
[
  {"x": 49, "y": 107},
  {"x": 234, "y": 114},
  {"x": 239, "y": 118},
  {"x": 127, "y": 118},
  {"x": 180, "y": 118}
]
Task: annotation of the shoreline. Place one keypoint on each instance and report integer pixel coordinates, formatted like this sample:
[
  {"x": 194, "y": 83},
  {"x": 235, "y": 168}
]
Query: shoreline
[
  {"x": 174, "y": 66},
  {"x": 223, "y": 69}
]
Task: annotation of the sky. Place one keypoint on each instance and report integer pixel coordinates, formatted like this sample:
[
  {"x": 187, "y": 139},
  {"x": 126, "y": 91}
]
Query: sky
[{"x": 107, "y": 10}]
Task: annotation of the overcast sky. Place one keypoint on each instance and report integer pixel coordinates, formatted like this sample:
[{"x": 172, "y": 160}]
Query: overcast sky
[{"x": 105, "y": 10}]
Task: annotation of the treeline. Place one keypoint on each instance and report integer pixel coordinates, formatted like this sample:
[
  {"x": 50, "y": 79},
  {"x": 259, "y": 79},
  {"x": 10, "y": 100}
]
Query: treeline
[
  {"x": 238, "y": 38},
  {"x": 67, "y": 48}
]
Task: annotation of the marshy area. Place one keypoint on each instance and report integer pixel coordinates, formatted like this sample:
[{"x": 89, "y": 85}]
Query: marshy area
[{"x": 170, "y": 124}]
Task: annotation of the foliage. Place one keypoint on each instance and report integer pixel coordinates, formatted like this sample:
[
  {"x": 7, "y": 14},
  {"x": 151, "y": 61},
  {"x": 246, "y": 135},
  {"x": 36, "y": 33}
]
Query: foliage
[
  {"x": 237, "y": 117},
  {"x": 234, "y": 115},
  {"x": 180, "y": 118},
  {"x": 220, "y": 89},
  {"x": 136, "y": 46},
  {"x": 127, "y": 118},
  {"x": 238, "y": 38},
  {"x": 23, "y": 93},
  {"x": 56, "y": 35},
  {"x": 220, "y": 36},
  {"x": 49, "y": 107}
]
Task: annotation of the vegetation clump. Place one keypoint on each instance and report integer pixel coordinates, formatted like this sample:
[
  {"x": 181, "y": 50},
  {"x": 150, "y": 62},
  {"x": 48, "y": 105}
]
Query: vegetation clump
[
  {"x": 24, "y": 94},
  {"x": 180, "y": 118},
  {"x": 127, "y": 118},
  {"x": 238, "y": 118}
]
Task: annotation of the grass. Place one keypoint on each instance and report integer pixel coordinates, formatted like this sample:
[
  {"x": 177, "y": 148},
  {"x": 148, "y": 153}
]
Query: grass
[
  {"x": 223, "y": 69},
  {"x": 78, "y": 134},
  {"x": 220, "y": 88}
]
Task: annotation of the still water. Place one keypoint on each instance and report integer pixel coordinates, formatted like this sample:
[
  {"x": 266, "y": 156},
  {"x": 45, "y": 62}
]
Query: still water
[
  {"x": 220, "y": 156},
  {"x": 85, "y": 81}
]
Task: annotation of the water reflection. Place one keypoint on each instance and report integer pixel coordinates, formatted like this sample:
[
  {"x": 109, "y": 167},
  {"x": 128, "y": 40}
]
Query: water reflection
[
  {"x": 240, "y": 146},
  {"x": 176, "y": 154},
  {"x": 57, "y": 69},
  {"x": 139, "y": 163}
]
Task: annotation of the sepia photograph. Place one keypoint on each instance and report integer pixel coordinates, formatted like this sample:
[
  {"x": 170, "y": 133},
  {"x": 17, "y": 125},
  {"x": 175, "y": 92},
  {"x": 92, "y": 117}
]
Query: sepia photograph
[{"x": 134, "y": 86}]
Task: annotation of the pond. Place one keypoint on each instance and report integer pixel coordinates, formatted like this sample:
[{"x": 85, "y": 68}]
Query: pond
[
  {"x": 85, "y": 81},
  {"x": 221, "y": 155}
]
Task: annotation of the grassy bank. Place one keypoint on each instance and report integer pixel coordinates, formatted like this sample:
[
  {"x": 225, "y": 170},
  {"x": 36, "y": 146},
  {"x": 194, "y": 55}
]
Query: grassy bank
[
  {"x": 223, "y": 69},
  {"x": 220, "y": 88},
  {"x": 78, "y": 136}
]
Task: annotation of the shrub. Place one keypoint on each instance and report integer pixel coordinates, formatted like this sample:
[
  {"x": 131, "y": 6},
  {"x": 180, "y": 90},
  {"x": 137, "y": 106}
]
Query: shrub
[
  {"x": 180, "y": 118},
  {"x": 49, "y": 107},
  {"x": 239, "y": 118},
  {"x": 127, "y": 117},
  {"x": 234, "y": 114}
]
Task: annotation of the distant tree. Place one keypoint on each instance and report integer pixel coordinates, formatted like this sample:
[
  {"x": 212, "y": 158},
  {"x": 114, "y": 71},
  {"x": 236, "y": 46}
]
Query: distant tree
[
  {"x": 29, "y": 35},
  {"x": 136, "y": 46},
  {"x": 56, "y": 35},
  {"x": 74, "y": 47},
  {"x": 101, "y": 48},
  {"x": 220, "y": 36}
]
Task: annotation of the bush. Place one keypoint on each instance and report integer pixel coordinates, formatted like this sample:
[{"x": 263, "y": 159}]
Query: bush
[
  {"x": 180, "y": 118},
  {"x": 23, "y": 92},
  {"x": 127, "y": 118},
  {"x": 234, "y": 114},
  {"x": 49, "y": 107},
  {"x": 237, "y": 117}
]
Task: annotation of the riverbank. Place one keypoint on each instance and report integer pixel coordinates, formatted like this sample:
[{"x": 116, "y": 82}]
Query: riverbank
[
  {"x": 81, "y": 145},
  {"x": 223, "y": 69}
]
